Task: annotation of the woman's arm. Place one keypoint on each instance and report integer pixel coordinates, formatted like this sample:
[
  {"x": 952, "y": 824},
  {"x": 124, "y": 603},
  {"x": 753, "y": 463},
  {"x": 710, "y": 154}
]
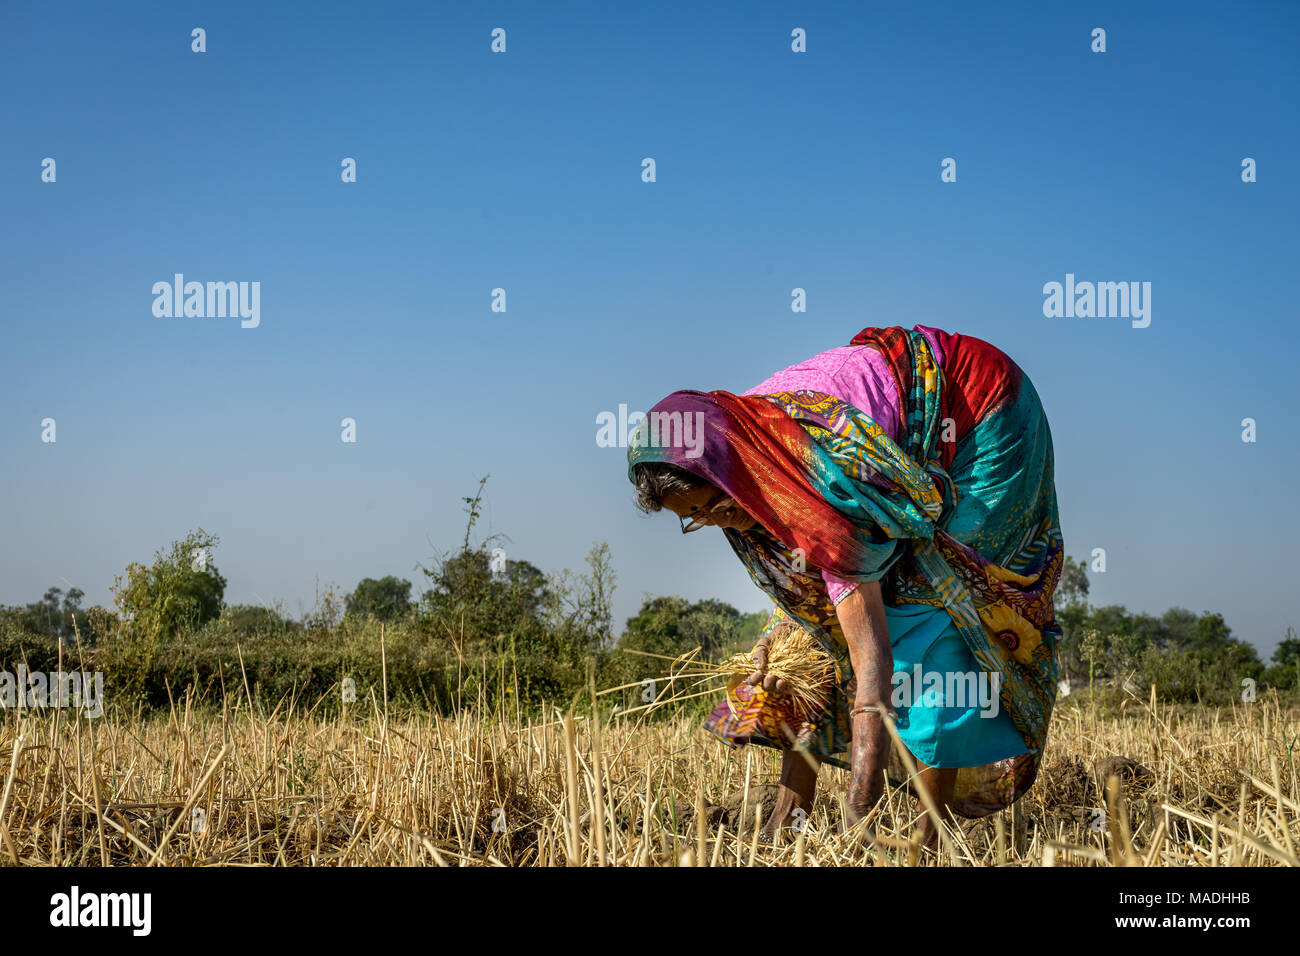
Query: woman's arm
[{"x": 862, "y": 619}]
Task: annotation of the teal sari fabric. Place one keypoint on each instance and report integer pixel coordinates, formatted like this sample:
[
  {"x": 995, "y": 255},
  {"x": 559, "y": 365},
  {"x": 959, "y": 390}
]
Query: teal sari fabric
[{"x": 968, "y": 728}]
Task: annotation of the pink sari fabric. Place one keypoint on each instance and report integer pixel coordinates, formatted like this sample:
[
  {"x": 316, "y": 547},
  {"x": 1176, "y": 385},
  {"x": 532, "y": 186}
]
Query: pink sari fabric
[{"x": 857, "y": 374}]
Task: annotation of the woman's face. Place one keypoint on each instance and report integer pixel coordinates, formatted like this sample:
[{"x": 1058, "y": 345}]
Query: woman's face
[{"x": 711, "y": 506}]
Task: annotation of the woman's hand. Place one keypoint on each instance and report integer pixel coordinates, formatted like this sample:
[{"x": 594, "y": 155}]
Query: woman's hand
[
  {"x": 760, "y": 676},
  {"x": 869, "y": 759},
  {"x": 862, "y": 619}
]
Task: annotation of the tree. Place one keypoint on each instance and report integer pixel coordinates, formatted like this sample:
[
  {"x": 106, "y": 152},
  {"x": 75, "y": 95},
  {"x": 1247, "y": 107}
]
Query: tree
[
  {"x": 385, "y": 599},
  {"x": 1128, "y": 649},
  {"x": 1112, "y": 619},
  {"x": 1073, "y": 622},
  {"x": 254, "y": 618},
  {"x": 466, "y": 594},
  {"x": 1096, "y": 648},
  {"x": 479, "y": 595},
  {"x": 671, "y": 625},
  {"x": 1150, "y": 631},
  {"x": 1285, "y": 671},
  {"x": 1072, "y": 590},
  {"x": 54, "y": 615},
  {"x": 1212, "y": 633},
  {"x": 587, "y": 612},
  {"x": 181, "y": 589},
  {"x": 1180, "y": 624},
  {"x": 597, "y": 595},
  {"x": 1287, "y": 652}
]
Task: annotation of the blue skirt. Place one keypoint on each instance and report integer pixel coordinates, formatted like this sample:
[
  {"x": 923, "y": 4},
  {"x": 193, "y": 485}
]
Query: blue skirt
[{"x": 949, "y": 712}]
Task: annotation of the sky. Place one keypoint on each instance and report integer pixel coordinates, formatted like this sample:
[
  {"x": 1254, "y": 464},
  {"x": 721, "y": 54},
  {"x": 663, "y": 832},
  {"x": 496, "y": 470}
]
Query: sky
[{"x": 522, "y": 170}]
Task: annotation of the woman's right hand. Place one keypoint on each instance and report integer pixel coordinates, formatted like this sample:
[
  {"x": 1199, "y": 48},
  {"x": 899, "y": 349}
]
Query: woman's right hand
[{"x": 760, "y": 677}]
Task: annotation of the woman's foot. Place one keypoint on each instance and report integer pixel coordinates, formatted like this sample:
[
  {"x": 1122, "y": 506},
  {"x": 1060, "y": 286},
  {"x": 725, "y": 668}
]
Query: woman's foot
[
  {"x": 940, "y": 783},
  {"x": 794, "y": 797}
]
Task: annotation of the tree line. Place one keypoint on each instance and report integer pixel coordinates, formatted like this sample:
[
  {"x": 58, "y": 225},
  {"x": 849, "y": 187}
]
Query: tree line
[{"x": 486, "y": 628}]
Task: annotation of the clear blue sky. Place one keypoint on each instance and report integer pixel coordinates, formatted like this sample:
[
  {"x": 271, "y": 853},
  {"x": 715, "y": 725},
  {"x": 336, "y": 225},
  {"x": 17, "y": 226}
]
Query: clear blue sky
[{"x": 775, "y": 170}]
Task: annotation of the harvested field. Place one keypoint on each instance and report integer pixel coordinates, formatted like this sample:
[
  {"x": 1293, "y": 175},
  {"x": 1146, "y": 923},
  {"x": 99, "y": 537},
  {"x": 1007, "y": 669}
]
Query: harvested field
[{"x": 1193, "y": 787}]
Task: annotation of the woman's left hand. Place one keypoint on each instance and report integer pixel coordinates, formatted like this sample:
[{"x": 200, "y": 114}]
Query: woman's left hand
[{"x": 870, "y": 751}]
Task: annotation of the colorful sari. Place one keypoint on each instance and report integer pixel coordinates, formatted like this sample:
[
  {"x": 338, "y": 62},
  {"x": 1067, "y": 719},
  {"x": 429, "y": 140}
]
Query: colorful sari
[{"x": 960, "y": 515}]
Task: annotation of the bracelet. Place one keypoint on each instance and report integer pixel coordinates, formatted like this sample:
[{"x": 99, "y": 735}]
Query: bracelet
[{"x": 873, "y": 709}]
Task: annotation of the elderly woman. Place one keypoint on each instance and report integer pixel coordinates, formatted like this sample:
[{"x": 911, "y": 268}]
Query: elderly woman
[{"x": 894, "y": 498}]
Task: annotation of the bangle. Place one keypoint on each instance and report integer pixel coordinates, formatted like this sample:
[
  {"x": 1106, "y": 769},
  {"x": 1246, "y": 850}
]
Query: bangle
[{"x": 873, "y": 709}]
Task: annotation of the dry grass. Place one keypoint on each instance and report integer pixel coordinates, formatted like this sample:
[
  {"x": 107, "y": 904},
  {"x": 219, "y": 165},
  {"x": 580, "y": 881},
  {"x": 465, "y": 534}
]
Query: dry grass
[
  {"x": 292, "y": 789},
  {"x": 795, "y": 657}
]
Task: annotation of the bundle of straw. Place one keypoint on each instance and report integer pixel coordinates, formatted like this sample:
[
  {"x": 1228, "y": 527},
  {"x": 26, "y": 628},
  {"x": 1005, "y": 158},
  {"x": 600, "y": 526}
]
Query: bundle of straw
[{"x": 793, "y": 656}]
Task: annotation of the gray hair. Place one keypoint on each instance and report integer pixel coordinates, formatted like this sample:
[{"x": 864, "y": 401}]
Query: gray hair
[{"x": 655, "y": 480}]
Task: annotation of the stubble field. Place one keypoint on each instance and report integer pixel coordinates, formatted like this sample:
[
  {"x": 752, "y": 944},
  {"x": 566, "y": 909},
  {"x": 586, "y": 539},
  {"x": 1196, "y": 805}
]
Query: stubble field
[{"x": 1192, "y": 787}]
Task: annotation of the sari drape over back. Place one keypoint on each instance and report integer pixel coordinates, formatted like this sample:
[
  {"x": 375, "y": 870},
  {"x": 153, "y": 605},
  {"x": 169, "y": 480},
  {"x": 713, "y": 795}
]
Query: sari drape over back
[{"x": 960, "y": 514}]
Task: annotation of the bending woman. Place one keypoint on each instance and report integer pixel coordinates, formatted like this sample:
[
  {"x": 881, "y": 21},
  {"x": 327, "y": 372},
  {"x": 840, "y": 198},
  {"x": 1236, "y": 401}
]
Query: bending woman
[{"x": 895, "y": 499}]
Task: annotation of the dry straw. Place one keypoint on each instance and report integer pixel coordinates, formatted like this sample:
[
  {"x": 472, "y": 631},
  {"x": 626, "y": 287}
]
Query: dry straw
[
  {"x": 488, "y": 787},
  {"x": 795, "y": 657}
]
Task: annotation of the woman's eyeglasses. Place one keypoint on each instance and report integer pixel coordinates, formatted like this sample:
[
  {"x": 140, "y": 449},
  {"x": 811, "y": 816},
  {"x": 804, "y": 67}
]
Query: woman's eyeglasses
[{"x": 700, "y": 519}]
